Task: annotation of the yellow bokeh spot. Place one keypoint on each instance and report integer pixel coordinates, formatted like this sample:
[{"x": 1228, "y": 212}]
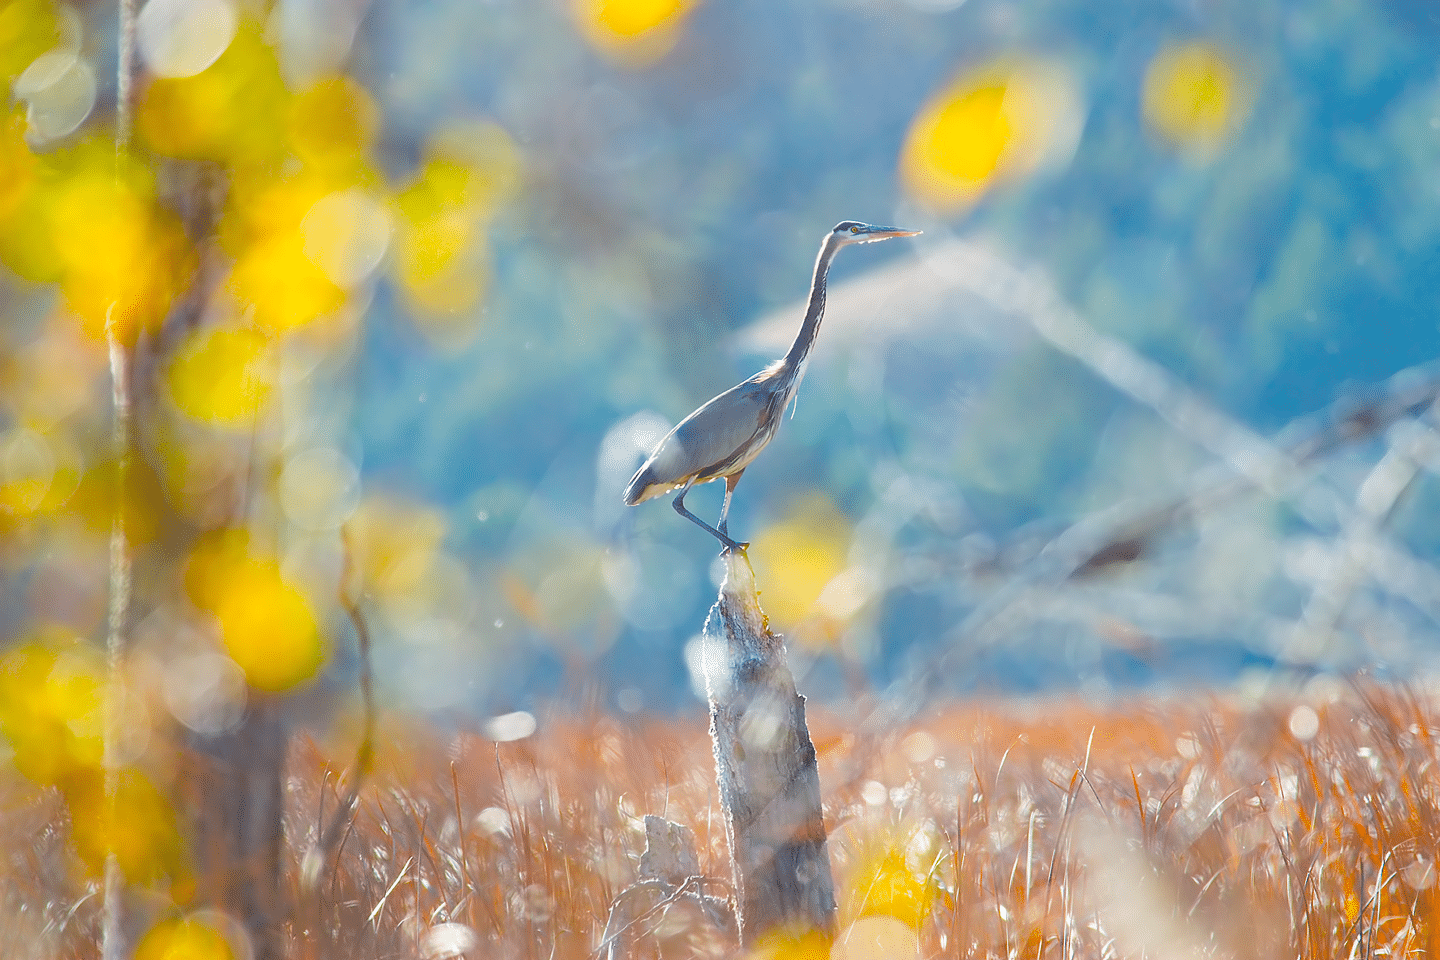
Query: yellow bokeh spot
[
  {"x": 884, "y": 883},
  {"x": 95, "y": 497},
  {"x": 332, "y": 124},
  {"x": 958, "y": 142},
  {"x": 795, "y": 560},
  {"x": 188, "y": 938},
  {"x": 631, "y": 18},
  {"x": 121, "y": 256},
  {"x": 637, "y": 32},
  {"x": 273, "y": 273},
  {"x": 52, "y": 699},
  {"x": 235, "y": 110},
  {"x": 791, "y": 944},
  {"x": 286, "y": 287},
  {"x": 1193, "y": 96},
  {"x": 222, "y": 376},
  {"x": 266, "y": 623},
  {"x": 395, "y": 546},
  {"x": 27, "y": 29},
  {"x": 130, "y": 818},
  {"x": 18, "y": 166},
  {"x": 441, "y": 248},
  {"x": 1002, "y": 121},
  {"x": 969, "y": 135}
]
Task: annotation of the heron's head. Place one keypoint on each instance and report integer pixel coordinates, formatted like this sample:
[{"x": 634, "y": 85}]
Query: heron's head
[{"x": 851, "y": 231}]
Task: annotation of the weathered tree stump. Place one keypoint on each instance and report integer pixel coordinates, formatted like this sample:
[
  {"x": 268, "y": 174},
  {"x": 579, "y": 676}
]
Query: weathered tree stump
[{"x": 765, "y": 768}]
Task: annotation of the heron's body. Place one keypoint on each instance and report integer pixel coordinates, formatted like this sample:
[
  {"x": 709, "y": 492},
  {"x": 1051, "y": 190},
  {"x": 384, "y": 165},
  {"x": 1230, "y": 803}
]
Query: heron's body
[{"x": 725, "y": 435}]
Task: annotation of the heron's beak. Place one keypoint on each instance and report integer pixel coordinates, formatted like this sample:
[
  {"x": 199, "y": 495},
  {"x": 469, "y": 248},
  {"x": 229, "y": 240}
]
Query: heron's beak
[{"x": 870, "y": 234}]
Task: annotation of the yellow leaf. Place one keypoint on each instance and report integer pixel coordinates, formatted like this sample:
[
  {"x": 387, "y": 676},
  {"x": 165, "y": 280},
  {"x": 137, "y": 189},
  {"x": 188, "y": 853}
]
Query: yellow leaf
[
  {"x": 636, "y": 32},
  {"x": 222, "y": 377},
  {"x": 233, "y": 111},
  {"x": 796, "y": 559},
  {"x": 52, "y": 708},
  {"x": 187, "y": 938},
  {"x": 332, "y": 123},
  {"x": 268, "y": 628},
  {"x": 1193, "y": 96},
  {"x": 27, "y": 29},
  {"x": 266, "y": 623},
  {"x": 122, "y": 257},
  {"x": 133, "y": 821},
  {"x": 1004, "y": 120}
]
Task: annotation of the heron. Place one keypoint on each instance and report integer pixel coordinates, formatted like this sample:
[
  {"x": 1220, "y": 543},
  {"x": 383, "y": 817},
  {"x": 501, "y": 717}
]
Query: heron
[{"x": 725, "y": 435}]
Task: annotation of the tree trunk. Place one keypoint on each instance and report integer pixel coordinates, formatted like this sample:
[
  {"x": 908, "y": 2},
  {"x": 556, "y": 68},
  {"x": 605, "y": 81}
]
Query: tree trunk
[
  {"x": 238, "y": 782},
  {"x": 765, "y": 768}
]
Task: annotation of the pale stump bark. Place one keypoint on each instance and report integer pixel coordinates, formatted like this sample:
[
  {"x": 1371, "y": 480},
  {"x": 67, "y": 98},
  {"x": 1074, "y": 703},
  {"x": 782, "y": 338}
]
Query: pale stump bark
[{"x": 765, "y": 768}]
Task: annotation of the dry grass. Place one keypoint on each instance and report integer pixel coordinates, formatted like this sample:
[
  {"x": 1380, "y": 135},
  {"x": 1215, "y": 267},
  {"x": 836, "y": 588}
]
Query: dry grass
[{"x": 1156, "y": 828}]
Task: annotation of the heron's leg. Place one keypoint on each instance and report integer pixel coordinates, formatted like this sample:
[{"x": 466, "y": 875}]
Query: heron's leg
[
  {"x": 680, "y": 509},
  {"x": 730, "y": 483}
]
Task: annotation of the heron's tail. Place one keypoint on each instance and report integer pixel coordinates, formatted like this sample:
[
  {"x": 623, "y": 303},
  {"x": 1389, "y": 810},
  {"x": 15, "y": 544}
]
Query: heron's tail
[{"x": 643, "y": 479}]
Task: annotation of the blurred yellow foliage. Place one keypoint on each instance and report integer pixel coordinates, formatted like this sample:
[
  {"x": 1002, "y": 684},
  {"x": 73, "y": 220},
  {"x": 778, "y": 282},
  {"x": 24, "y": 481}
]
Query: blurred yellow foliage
[
  {"x": 967, "y": 135},
  {"x": 1193, "y": 96},
  {"x": 441, "y": 240},
  {"x": 631, "y": 18},
  {"x": 222, "y": 376},
  {"x": 27, "y": 29},
  {"x": 186, "y": 938},
  {"x": 266, "y": 623},
  {"x": 332, "y": 125},
  {"x": 787, "y": 944},
  {"x": 883, "y": 882},
  {"x": 395, "y": 546},
  {"x": 121, "y": 255},
  {"x": 957, "y": 142},
  {"x": 18, "y": 166},
  {"x": 273, "y": 273},
  {"x": 52, "y": 702},
  {"x": 796, "y": 559},
  {"x": 135, "y": 822},
  {"x": 37, "y": 473},
  {"x": 1003, "y": 120},
  {"x": 634, "y": 31},
  {"x": 235, "y": 111},
  {"x": 53, "y": 713},
  {"x": 94, "y": 500},
  {"x": 286, "y": 288}
]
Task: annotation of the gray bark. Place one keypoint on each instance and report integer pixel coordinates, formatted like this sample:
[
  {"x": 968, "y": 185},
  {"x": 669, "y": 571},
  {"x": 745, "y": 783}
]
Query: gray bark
[
  {"x": 765, "y": 768},
  {"x": 237, "y": 779}
]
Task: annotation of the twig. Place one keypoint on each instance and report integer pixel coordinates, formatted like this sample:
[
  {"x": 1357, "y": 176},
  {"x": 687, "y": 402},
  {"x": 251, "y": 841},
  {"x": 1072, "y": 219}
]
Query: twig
[
  {"x": 365, "y": 752},
  {"x": 112, "y": 945},
  {"x": 112, "y": 937},
  {"x": 609, "y": 939}
]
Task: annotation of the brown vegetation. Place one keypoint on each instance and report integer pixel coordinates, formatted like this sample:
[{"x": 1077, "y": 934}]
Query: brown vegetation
[{"x": 1218, "y": 827}]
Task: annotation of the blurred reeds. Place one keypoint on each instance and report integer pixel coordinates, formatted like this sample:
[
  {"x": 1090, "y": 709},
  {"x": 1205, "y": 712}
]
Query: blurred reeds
[{"x": 1304, "y": 827}]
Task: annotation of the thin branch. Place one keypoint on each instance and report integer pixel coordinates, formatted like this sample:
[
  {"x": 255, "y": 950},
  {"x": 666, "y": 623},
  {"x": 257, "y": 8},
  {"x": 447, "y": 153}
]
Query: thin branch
[
  {"x": 112, "y": 937},
  {"x": 112, "y": 945},
  {"x": 125, "y": 75},
  {"x": 350, "y": 595}
]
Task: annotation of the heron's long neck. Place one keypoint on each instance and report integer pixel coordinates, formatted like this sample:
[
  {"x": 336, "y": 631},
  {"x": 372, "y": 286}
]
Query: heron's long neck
[{"x": 799, "y": 350}]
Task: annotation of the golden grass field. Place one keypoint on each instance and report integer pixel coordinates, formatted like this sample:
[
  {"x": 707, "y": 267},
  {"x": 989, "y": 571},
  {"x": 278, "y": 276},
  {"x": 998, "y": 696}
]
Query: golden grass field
[{"x": 1194, "y": 826}]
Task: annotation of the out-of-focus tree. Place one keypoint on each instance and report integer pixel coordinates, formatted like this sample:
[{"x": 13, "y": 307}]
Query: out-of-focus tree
[{"x": 229, "y": 250}]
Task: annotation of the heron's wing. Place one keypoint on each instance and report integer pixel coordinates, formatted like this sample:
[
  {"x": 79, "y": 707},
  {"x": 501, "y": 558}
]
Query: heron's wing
[{"x": 730, "y": 429}]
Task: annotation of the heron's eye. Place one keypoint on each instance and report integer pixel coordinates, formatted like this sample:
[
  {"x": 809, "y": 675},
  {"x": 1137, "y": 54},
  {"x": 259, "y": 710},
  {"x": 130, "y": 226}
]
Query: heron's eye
[{"x": 855, "y": 228}]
